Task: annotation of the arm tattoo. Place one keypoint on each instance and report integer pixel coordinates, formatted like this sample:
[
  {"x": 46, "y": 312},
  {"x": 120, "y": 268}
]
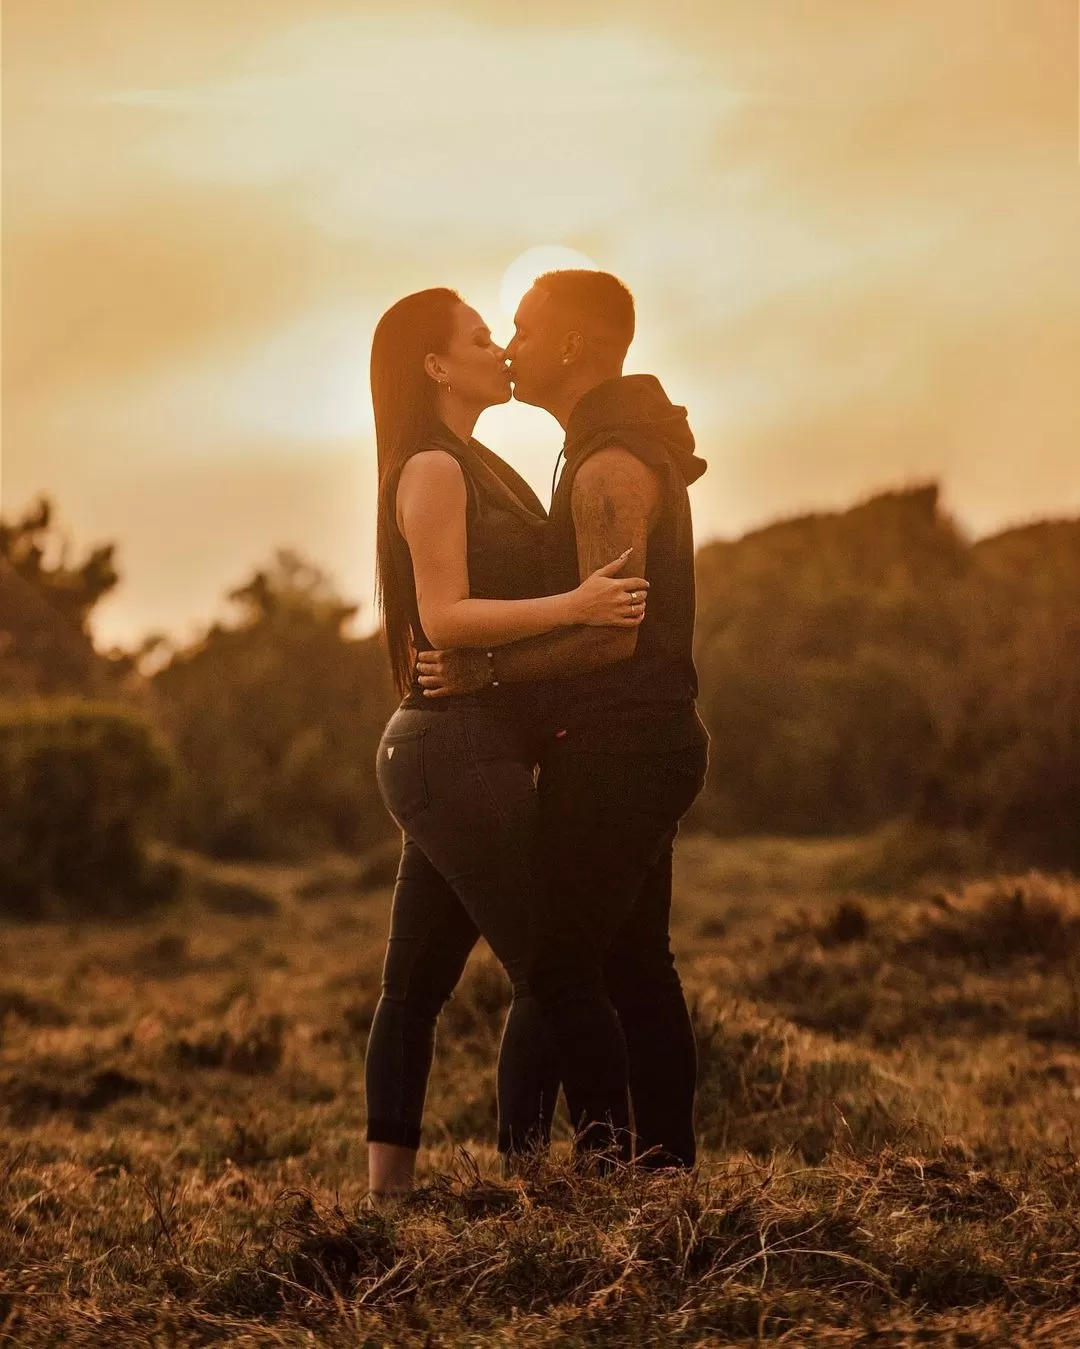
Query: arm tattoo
[{"x": 615, "y": 500}]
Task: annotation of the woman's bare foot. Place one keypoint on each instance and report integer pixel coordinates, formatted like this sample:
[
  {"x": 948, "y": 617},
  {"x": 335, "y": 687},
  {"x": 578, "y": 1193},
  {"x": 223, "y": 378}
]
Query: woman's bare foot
[{"x": 382, "y": 1201}]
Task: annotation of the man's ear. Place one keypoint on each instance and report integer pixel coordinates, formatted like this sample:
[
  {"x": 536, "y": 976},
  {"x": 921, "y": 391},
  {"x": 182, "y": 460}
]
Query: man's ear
[
  {"x": 573, "y": 344},
  {"x": 434, "y": 368}
]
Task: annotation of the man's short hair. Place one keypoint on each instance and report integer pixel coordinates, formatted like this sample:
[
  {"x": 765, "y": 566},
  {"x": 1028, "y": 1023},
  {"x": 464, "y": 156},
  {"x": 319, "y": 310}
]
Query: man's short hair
[{"x": 597, "y": 301}]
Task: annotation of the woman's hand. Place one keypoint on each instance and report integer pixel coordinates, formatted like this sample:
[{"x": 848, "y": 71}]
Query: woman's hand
[{"x": 602, "y": 601}]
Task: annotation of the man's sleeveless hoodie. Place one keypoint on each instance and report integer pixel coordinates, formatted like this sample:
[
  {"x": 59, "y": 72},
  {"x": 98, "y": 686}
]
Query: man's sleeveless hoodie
[{"x": 658, "y": 684}]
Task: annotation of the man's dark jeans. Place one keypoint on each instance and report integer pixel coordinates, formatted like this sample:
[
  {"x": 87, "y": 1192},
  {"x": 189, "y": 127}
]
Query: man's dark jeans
[{"x": 601, "y": 964}]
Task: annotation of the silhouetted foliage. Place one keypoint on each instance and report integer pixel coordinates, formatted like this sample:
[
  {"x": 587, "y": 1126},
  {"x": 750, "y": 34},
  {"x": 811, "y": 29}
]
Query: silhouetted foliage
[
  {"x": 828, "y": 647},
  {"x": 276, "y": 719},
  {"x": 79, "y": 784},
  {"x": 46, "y": 599},
  {"x": 869, "y": 664},
  {"x": 1011, "y": 771},
  {"x": 856, "y": 667}
]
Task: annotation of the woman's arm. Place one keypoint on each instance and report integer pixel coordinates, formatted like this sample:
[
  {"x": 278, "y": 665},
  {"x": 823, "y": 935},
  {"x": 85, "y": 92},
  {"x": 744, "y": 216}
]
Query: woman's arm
[{"x": 431, "y": 513}]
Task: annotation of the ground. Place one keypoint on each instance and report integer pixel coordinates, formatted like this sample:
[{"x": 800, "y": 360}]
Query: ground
[{"x": 889, "y": 1101}]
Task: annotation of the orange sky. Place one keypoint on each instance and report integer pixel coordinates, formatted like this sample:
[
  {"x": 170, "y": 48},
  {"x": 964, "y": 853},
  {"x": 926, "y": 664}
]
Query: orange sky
[{"x": 853, "y": 232}]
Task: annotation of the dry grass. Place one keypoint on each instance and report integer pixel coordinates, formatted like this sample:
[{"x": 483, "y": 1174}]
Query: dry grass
[{"x": 890, "y": 1095}]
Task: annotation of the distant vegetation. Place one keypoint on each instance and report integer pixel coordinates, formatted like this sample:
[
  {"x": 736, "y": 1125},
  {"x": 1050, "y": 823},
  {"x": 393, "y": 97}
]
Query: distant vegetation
[
  {"x": 275, "y": 719},
  {"x": 861, "y": 666},
  {"x": 857, "y": 668},
  {"x": 79, "y": 785}
]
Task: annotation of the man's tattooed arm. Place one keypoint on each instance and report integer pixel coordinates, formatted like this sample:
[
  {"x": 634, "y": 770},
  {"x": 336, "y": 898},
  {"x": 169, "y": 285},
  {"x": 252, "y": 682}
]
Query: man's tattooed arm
[{"x": 615, "y": 502}]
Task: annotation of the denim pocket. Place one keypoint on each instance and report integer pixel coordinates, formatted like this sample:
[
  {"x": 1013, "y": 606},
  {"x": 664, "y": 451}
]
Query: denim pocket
[{"x": 399, "y": 770}]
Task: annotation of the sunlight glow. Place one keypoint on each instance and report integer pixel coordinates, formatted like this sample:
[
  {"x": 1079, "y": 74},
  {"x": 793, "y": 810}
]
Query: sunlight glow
[{"x": 524, "y": 270}]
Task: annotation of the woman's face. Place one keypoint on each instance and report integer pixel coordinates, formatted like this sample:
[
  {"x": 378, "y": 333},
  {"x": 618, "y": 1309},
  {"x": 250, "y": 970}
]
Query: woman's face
[{"x": 473, "y": 365}]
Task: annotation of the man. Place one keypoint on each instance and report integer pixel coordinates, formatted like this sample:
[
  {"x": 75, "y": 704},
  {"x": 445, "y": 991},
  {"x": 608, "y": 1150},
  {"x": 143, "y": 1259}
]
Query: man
[{"x": 627, "y": 754}]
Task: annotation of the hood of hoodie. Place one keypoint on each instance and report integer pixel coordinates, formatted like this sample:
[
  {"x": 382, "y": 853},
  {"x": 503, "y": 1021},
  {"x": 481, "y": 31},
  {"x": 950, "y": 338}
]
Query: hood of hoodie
[{"x": 633, "y": 410}]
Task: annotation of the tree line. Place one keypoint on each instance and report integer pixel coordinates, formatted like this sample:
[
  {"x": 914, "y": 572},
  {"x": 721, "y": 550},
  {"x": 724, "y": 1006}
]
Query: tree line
[{"x": 857, "y": 667}]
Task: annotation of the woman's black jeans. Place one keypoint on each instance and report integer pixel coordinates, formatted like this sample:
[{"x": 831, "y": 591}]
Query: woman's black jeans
[{"x": 460, "y": 783}]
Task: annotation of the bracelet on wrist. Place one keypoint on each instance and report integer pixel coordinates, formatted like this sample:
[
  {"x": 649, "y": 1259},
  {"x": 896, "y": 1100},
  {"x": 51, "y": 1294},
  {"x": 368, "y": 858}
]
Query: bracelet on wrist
[{"x": 491, "y": 669}]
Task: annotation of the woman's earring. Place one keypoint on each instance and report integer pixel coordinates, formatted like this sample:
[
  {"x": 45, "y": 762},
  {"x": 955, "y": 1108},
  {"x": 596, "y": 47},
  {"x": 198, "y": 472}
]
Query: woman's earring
[{"x": 445, "y": 384}]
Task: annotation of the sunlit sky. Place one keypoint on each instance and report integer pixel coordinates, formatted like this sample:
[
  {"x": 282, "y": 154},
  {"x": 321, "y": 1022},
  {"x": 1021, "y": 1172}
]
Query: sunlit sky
[{"x": 853, "y": 233}]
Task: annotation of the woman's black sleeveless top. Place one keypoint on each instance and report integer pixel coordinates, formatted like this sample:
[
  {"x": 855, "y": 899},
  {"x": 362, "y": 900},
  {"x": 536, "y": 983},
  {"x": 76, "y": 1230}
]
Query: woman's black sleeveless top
[{"x": 505, "y": 525}]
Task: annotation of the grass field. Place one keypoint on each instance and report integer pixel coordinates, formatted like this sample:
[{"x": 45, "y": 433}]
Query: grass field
[{"x": 889, "y": 1106}]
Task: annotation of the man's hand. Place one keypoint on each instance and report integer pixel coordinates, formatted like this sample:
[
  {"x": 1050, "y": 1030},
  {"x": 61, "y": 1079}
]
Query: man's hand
[{"x": 445, "y": 673}]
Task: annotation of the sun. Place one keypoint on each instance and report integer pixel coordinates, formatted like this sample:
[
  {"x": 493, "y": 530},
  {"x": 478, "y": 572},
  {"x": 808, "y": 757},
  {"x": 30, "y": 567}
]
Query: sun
[{"x": 524, "y": 270}]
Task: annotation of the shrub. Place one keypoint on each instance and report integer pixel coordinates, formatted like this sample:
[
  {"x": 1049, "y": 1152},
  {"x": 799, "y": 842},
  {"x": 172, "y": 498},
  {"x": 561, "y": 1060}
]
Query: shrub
[
  {"x": 80, "y": 783},
  {"x": 1011, "y": 771},
  {"x": 275, "y": 722},
  {"x": 827, "y": 648}
]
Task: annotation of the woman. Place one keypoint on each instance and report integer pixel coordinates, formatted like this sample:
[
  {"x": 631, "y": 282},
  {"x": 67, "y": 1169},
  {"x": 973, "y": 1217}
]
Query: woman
[{"x": 459, "y": 539}]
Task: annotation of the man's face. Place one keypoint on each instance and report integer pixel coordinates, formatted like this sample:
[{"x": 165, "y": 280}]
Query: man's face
[{"x": 535, "y": 352}]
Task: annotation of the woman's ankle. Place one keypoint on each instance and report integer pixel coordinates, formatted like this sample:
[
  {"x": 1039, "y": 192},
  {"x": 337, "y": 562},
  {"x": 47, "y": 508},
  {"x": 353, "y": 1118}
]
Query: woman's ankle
[{"x": 391, "y": 1169}]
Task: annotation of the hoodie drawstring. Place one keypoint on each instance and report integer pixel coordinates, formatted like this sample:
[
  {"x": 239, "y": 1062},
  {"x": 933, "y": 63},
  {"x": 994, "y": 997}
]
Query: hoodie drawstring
[{"x": 555, "y": 472}]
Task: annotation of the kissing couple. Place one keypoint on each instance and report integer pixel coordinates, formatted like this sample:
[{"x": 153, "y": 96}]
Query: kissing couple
[{"x": 547, "y": 742}]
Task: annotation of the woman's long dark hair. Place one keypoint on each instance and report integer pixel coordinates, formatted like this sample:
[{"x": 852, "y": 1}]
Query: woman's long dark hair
[{"x": 403, "y": 396}]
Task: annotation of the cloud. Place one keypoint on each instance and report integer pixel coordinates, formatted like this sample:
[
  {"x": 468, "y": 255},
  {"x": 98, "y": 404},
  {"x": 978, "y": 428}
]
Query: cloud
[
  {"x": 113, "y": 294},
  {"x": 379, "y": 126},
  {"x": 853, "y": 232}
]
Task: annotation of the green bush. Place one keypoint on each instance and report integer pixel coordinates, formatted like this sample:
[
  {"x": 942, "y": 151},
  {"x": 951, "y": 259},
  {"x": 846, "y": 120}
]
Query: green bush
[{"x": 80, "y": 783}]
